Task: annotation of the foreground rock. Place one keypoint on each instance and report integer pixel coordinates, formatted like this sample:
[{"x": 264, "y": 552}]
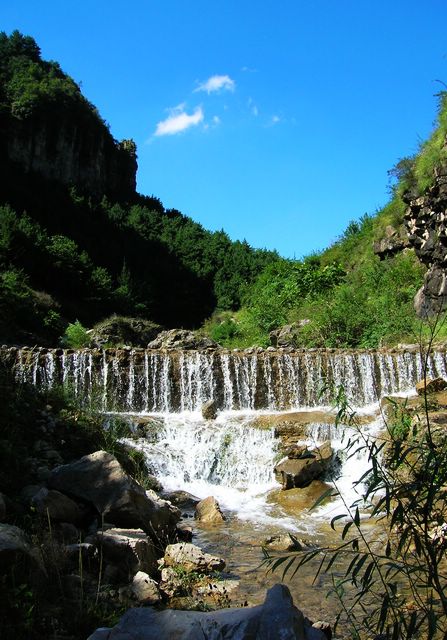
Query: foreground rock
[
  {"x": 189, "y": 557},
  {"x": 99, "y": 479},
  {"x": 16, "y": 552},
  {"x": 276, "y": 618},
  {"x": 208, "y": 511},
  {"x": 144, "y": 589},
  {"x": 182, "y": 339}
]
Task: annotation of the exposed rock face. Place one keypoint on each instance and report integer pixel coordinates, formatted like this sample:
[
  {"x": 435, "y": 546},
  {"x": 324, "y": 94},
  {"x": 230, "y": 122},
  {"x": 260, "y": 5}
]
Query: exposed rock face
[
  {"x": 181, "y": 339},
  {"x": 208, "y": 511},
  {"x": 134, "y": 332},
  {"x": 99, "y": 479},
  {"x": 426, "y": 223},
  {"x": 73, "y": 151},
  {"x": 276, "y": 618},
  {"x": 395, "y": 241}
]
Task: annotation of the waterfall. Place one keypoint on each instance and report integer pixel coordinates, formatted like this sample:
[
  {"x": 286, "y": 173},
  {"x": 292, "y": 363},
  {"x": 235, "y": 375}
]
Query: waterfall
[
  {"x": 141, "y": 380},
  {"x": 226, "y": 458}
]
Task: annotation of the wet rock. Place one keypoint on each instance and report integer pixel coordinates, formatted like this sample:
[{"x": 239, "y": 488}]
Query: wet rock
[
  {"x": 208, "y": 511},
  {"x": 430, "y": 385},
  {"x": 209, "y": 410},
  {"x": 284, "y": 542},
  {"x": 276, "y": 618},
  {"x": 299, "y": 472},
  {"x": 144, "y": 589},
  {"x": 184, "y": 532},
  {"x": 189, "y": 557},
  {"x": 130, "y": 550},
  {"x": 99, "y": 479},
  {"x": 57, "y": 506},
  {"x": 182, "y": 339}
]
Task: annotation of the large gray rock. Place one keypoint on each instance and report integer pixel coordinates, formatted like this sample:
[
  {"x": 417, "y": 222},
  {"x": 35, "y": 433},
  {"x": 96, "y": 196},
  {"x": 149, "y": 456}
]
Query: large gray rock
[
  {"x": 276, "y": 619},
  {"x": 189, "y": 557},
  {"x": 181, "y": 339},
  {"x": 130, "y": 550},
  {"x": 99, "y": 479}
]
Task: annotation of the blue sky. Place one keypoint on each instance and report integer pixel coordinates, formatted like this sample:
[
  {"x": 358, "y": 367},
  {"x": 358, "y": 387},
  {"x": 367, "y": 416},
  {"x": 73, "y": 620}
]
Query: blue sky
[{"x": 276, "y": 121}]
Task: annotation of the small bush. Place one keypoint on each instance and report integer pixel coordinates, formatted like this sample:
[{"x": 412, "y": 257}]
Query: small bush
[{"x": 76, "y": 336}]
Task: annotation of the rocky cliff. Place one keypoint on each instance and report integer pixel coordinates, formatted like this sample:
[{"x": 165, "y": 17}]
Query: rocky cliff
[
  {"x": 426, "y": 224},
  {"x": 78, "y": 151}
]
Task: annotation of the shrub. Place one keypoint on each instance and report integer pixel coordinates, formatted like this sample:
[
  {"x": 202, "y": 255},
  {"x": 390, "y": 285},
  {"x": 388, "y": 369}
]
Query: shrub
[{"x": 76, "y": 336}]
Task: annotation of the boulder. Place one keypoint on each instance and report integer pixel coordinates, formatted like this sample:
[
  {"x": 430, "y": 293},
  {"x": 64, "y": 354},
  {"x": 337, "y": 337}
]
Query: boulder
[
  {"x": 208, "y": 511},
  {"x": 430, "y": 385},
  {"x": 57, "y": 506},
  {"x": 182, "y": 339},
  {"x": 119, "y": 330},
  {"x": 209, "y": 410},
  {"x": 189, "y": 557},
  {"x": 144, "y": 589},
  {"x": 276, "y": 618},
  {"x": 15, "y": 551},
  {"x": 287, "y": 336},
  {"x": 99, "y": 479},
  {"x": 130, "y": 550},
  {"x": 299, "y": 472}
]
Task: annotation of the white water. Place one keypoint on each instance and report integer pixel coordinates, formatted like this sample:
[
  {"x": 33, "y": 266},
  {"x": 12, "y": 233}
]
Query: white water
[{"x": 227, "y": 458}]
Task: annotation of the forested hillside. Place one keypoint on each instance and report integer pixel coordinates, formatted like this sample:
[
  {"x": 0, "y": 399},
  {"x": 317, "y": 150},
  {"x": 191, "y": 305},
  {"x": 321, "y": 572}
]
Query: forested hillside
[
  {"x": 76, "y": 240},
  {"x": 360, "y": 291}
]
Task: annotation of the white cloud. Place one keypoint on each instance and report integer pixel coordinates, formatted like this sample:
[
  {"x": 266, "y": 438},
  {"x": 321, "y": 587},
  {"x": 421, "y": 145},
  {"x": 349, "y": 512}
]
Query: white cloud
[
  {"x": 217, "y": 83},
  {"x": 276, "y": 119},
  {"x": 179, "y": 120},
  {"x": 216, "y": 120}
]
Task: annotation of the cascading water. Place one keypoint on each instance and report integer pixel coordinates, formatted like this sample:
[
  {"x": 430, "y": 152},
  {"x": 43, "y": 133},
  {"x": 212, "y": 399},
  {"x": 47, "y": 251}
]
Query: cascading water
[
  {"x": 226, "y": 458},
  {"x": 157, "y": 381}
]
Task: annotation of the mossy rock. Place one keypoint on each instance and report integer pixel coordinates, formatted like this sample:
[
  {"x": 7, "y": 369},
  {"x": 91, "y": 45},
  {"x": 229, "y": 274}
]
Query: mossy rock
[{"x": 119, "y": 331}]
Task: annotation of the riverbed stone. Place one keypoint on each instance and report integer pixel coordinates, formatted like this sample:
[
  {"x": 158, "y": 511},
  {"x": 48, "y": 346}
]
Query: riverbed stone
[
  {"x": 189, "y": 557},
  {"x": 99, "y": 479},
  {"x": 284, "y": 542},
  {"x": 276, "y": 618},
  {"x": 183, "y": 499},
  {"x": 208, "y": 511}
]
